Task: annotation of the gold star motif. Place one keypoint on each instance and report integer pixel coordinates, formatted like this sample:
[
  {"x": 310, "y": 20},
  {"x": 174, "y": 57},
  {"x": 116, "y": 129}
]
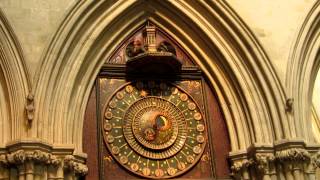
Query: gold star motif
[{"x": 143, "y": 93}]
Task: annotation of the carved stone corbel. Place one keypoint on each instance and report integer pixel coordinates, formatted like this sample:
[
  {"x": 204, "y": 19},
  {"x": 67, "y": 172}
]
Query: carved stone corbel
[
  {"x": 289, "y": 105},
  {"x": 78, "y": 168},
  {"x": 17, "y": 157},
  {"x": 30, "y": 108}
]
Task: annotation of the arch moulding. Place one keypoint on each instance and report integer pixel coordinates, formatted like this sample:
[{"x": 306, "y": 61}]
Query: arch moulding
[
  {"x": 243, "y": 78},
  {"x": 14, "y": 85},
  {"x": 303, "y": 69}
]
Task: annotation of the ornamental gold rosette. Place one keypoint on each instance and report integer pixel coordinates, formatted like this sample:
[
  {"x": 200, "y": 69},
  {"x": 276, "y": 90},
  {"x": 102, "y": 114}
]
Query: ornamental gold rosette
[{"x": 154, "y": 129}]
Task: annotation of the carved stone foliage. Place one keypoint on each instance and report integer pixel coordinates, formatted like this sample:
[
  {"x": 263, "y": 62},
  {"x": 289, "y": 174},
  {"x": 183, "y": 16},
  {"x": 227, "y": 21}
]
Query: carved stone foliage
[
  {"x": 21, "y": 159},
  {"x": 315, "y": 159},
  {"x": 240, "y": 165},
  {"x": 294, "y": 154},
  {"x": 265, "y": 163},
  {"x": 17, "y": 157},
  {"x": 3, "y": 160},
  {"x": 71, "y": 164},
  {"x": 261, "y": 161},
  {"x": 37, "y": 156}
]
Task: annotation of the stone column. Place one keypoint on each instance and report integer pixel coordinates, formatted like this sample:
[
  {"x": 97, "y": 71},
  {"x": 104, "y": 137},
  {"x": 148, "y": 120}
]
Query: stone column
[
  {"x": 4, "y": 172},
  {"x": 55, "y": 171},
  {"x": 21, "y": 172},
  {"x": 29, "y": 170},
  {"x": 74, "y": 168},
  {"x": 264, "y": 164},
  {"x": 240, "y": 169},
  {"x": 4, "y": 169}
]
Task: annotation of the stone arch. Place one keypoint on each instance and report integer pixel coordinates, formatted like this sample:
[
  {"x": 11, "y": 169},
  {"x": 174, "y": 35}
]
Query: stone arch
[
  {"x": 249, "y": 92},
  {"x": 302, "y": 71},
  {"x": 14, "y": 85}
]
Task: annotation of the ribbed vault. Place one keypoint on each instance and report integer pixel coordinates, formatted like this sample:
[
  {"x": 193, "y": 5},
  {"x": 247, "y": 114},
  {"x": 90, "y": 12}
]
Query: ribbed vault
[{"x": 249, "y": 92}]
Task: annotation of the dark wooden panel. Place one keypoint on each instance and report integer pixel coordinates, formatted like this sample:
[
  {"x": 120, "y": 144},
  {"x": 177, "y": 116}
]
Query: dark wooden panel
[
  {"x": 214, "y": 157},
  {"x": 219, "y": 135},
  {"x": 90, "y": 139}
]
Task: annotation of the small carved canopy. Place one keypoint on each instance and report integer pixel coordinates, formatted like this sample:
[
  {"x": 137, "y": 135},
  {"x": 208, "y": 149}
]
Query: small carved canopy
[
  {"x": 150, "y": 50},
  {"x": 154, "y": 62}
]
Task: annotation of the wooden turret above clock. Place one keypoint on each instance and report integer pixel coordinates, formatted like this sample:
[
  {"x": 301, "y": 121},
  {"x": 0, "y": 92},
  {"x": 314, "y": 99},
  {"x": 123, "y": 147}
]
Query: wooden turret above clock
[{"x": 150, "y": 51}]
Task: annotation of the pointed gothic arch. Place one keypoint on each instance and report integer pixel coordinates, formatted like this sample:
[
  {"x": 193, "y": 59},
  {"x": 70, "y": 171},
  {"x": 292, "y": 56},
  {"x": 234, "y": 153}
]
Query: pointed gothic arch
[
  {"x": 15, "y": 85},
  {"x": 303, "y": 66},
  {"x": 249, "y": 92}
]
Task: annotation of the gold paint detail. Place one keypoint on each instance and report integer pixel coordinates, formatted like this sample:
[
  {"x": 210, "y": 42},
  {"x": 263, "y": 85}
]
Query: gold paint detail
[
  {"x": 190, "y": 159},
  {"x": 107, "y": 126},
  {"x": 181, "y": 166},
  {"x": 146, "y": 171},
  {"x": 153, "y": 128},
  {"x": 197, "y": 116},
  {"x": 183, "y": 97},
  {"x": 110, "y": 138},
  {"x": 205, "y": 157},
  {"x": 108, "y": 115},
  {"x": 108, "y": 158},
  {"x": 158, "y": 173},
  {"x": 192, "y": 106},
  {"x": 174, "y": 90},
  {"x": 200, "y": 127},
  {"x": 197, "y": 149},
  {"x": 134, "y": 167},
  {"x": 200, "y": 139},
  {"x": 115, "y": 150},
  {"x": 171, "y": 171},
  {"x": 112, "y": 104},
  {"x": 129, "y": 88},
  {"x": 143, "y": 94},
  {"x": 153, "y": 124},
  {"x": 119, "y": 95},
  {"x": 123, "y": 159}
]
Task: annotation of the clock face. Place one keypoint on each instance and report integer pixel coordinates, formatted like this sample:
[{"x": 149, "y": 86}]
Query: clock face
[{"x": 154, "y": 129}]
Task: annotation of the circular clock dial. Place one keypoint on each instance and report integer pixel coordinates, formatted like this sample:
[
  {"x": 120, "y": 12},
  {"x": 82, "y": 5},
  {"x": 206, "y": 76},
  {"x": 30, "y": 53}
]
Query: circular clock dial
[{"x": 155, "y": 130}]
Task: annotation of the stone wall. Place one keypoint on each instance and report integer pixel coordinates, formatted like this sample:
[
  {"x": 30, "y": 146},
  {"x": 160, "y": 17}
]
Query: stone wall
[{"x": 35, "y": 22}]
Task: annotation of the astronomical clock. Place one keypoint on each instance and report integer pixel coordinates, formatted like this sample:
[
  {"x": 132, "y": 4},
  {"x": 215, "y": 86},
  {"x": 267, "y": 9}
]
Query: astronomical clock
[
  {"x": 152, "y": 115},
  {"x": 154, "y": 129}
]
